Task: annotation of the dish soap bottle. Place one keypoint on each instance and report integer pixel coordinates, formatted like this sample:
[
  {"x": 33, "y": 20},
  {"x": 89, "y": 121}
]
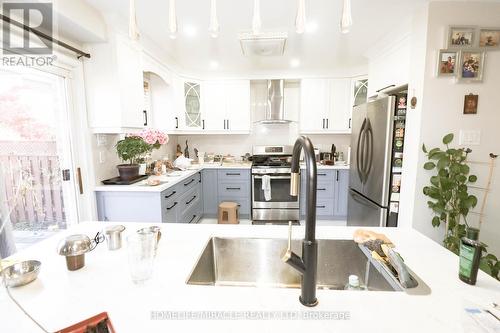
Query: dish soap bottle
[
  {"x": 470, "y": 255},
  {"x": 353, "y": 283}
]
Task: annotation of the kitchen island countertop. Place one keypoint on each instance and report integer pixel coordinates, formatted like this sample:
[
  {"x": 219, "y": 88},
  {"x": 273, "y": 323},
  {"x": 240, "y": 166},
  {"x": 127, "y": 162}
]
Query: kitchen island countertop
[{"x": 59, "y": 298}]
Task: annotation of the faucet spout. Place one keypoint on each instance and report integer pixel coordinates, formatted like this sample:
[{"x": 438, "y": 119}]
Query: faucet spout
[{"x": 307, "y": 265}]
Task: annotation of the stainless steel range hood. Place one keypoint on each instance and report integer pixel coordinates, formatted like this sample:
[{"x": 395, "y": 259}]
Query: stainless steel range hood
[{"x": 275, "y": 110}]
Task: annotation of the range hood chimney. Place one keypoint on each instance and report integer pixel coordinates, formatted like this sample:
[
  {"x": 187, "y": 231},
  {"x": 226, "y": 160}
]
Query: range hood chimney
[{"x": 275, "y": 110}]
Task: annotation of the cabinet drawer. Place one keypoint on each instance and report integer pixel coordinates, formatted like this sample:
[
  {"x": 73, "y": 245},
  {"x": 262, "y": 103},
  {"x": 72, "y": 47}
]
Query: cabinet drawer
[
  {"x": 189, "y": 183},
  {"x": 170, "y": 211},
  {"x": 325, "y": 190},
  {"x": 170, "y": 193},
  {"x": 244, "y": 204},
  {"x": 324, "y": 208},
  {"x": 234, "y": 189},
  {"x": 234, "y": 175},
  {"x": 326, "y": 175},
  {"x": 189, "y": 199},
  {"x": 193, "y": 213}
]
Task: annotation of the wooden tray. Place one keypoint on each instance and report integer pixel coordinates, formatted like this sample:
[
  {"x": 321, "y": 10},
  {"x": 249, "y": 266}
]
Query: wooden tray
[
  {"x": 89, "y": 325},
  {"x": 119, "y": 181}
]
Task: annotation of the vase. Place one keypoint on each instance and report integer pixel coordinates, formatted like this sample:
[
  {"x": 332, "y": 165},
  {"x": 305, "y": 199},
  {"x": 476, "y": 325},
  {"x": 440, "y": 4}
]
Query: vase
[
  {"x": 128, "y": 171},
  {"x": 142, "y": 169}
]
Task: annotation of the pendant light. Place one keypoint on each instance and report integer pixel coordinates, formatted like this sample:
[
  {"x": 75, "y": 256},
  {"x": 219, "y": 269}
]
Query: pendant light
[
  {"x": 214, "y": 27},
  {"x": 172, "y": 20},
  {"x": 133, "y": 31},
  {"x": 346, "y": 21},
  {"x": 256, "y": 22},
  {"x": 300, "y": 20}
]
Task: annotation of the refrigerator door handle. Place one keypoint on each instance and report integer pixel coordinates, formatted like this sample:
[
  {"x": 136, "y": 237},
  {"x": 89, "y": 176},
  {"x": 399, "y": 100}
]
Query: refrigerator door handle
[
  {"x": 369, "y": 133},
  {"x": 359, "y": 148}
]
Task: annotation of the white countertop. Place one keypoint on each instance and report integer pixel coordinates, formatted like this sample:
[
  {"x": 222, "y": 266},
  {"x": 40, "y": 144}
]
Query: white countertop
[
  {"x": 174, "y": 178},
  {"x": 59, "y": 298}
]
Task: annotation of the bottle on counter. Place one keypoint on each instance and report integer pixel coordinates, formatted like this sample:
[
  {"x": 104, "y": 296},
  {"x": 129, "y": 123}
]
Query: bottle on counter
[
  {"x": 353, "y": 283},
  {"x": 470, "y": 255}
]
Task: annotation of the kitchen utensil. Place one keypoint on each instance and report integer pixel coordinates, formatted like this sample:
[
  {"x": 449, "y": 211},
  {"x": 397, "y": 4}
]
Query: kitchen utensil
[
  {"x": 22, "y": 273},
  {"x": 333, "y": 150},
  {"x": 141, "y": 250},
  {"x": 154, "y": 229},
  {"x": 74, "y": 248},
  {"x": 113, "y": 236},
  {"x": 186, "y": 150}
]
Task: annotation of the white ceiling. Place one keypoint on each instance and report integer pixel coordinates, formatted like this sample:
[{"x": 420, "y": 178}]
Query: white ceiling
[{"x": 315, "y": 52}]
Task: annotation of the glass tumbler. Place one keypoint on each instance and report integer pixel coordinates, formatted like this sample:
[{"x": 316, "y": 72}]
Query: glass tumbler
[{"x": 141, "y": 252}]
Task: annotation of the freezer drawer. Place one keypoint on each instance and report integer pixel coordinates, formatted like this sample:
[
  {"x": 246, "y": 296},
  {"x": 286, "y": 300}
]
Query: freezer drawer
[{"x": 363, "y": 212}]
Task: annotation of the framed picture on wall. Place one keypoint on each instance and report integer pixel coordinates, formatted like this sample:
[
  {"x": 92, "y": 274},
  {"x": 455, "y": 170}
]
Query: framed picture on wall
[
  {"x": 489, "y": 38},
  {"x": 471, "y": 65},
  {"x": 447, "y": 63},
  {"x": 462, "y": 36},
  {"x": 470, "y": 104}
]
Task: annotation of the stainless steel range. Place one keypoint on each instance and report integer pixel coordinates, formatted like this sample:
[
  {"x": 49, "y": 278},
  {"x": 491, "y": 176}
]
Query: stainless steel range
[{"x": 271, "y": 175}]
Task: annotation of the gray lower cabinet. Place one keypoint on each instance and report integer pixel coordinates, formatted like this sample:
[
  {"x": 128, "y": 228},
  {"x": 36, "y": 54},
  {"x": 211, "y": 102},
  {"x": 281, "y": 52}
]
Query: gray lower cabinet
[
  {"x": 226, "y": 185},
  {"x": 210, "y": 200},
  {"x": 181, "y": 203},
  {"x": 331, "y": 191}
]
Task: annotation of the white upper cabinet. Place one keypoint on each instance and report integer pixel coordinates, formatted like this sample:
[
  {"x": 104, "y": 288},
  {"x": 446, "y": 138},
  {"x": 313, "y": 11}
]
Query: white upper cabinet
[
  {"x": 326, "y": 106},
  {"x": 114, "y": 86},
  {"x": 226, "y": 106}
]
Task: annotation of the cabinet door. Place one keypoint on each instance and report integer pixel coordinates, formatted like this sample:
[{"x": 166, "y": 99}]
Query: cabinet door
[
  {"x": 340, "y": 105},
  {"x": 214, "y": 106},
  {"x": 313, "y": 105},
  {"x": 191, "y": 118},
  {"x": 130, "y": 81},
  {"x": 341, "y": 193},
  {"x": 210, "y": 194},
  {"x": 238, "y": 105}
]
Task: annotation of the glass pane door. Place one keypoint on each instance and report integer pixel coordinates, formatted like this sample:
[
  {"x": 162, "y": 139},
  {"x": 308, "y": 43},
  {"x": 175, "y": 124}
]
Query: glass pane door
[
  {"x": 38, "y": 189},
  {"x": 280, "y": 190}
]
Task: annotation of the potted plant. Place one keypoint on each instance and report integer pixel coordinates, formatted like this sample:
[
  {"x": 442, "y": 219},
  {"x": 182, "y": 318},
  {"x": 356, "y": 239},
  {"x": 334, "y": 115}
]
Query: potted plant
[
  {"x": 134, "y": 147},
  {"x": 450, "y": 200}
]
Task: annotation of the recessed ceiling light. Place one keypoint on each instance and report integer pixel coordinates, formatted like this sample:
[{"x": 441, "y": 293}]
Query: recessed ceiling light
[
  {"x": 214, "y": 65},
  {"x": 294, "y": 63},
  {"x": 311, "y": 26},
  {"x": 190, "y": 30}
]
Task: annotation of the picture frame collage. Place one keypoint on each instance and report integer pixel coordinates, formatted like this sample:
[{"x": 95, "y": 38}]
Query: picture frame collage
[{"x": 465, "y": 55}]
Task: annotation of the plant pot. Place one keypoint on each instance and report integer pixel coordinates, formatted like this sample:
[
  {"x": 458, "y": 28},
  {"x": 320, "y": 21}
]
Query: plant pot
[{"x": 128, "y": 171}]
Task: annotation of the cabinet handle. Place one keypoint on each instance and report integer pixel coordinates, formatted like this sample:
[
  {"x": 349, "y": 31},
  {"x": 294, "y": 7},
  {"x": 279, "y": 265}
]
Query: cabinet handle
[
  {"x": 171, "y": 194},
  {"x": 337, "y": 175},
  {"x": 233, "y": 174},
  {"x": 227, "y": 123},
  {"x": 322, "y": 174},
  {"x": 321, "y": 207},
  {"x": 233, "y": 188},
  {"x": 224, "y": 123},
  {"x": 176, "y": 122},
  {"x": 350, "y": 120},
  {"x": 186, "y": 184},
  {"x": 327, "y": 123},
  {"x": 169, "y": 208},
  {"x": 145, "y": 113},
  {"x": 321, "y": 189},
  {"x": 323, "y": 123},
  {"x": 194, "y": 216},
  {"x": 203, "y": 122},
  {"x": 187, "y": 203}
]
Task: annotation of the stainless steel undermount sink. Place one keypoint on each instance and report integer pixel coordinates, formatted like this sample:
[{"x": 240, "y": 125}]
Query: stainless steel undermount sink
[{"x": 255, "y": 262}]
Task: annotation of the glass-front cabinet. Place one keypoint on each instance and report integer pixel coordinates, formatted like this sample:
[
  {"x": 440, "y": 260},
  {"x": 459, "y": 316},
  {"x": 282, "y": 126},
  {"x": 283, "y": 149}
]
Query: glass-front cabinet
[
  {"x": 192, "y": 105},
  {"x": 360, "y": 91}
]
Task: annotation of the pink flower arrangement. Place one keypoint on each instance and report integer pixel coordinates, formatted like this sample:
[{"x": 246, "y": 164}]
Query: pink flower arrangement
[{"x": 152, "y": 137}]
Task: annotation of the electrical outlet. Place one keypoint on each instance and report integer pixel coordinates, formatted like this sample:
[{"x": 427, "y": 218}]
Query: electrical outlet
[
  {"x": 102, "y": 157},
  {"x": 470, "y": 138},
  {"x": 102, "y": 140}
]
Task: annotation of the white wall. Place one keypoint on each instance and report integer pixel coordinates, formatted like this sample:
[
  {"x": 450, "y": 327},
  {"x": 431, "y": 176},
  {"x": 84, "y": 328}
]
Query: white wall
[{"x": 442, "y": 112}]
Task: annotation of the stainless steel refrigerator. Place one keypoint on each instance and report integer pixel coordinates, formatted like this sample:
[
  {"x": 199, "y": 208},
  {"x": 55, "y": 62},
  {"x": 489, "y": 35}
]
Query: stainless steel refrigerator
[{"x": 376, "y": 160}]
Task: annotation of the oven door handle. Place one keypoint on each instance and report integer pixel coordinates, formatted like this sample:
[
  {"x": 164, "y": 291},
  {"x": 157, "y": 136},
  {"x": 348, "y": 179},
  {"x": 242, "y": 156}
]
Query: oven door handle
[{"x": 274, "y": 177}]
